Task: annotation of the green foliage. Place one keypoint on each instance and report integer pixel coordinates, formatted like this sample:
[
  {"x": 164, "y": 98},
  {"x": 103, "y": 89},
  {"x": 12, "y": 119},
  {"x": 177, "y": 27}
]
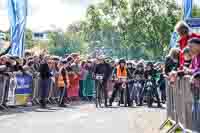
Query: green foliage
[
  {"x": 59, "y": 43},
  {"x": 196, "y": 11},
  {"x": 128, "y": 28},
  {"x": 65, "y": 43},
  {"x": 29, "y": 43},
  {"x": 7, "y": 36},
  {"x": 132, "y": 28}
]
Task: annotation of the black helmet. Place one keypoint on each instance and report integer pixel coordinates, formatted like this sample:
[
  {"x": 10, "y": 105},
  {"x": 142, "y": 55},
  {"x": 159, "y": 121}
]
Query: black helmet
[
  {"x": 122, "y": 61},
  {"x": 150, "y": 64},
  {"x": 140, "y": 64}
]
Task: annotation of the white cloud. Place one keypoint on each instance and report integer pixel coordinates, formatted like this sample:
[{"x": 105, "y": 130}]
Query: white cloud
[
  {"x": 4, "y": 23},
  {"x": 53, "y": 13},
  {"x": 44, "y": 13}
]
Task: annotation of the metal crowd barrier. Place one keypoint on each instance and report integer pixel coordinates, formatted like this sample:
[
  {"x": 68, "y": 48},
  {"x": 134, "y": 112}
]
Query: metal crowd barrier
[
  {"x": 183, "y": 105},
  {"x": 36, "y": 95},
  {"x": 52, "y": 92},
  {"x": 196, "y": 105},
  {"x": 3, "y": 90},
  {"x": 8, "y": 86}
]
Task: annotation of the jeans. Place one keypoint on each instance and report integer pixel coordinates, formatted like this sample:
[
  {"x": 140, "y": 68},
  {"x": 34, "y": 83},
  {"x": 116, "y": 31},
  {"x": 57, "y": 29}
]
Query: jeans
[
  {"x": 44, "y": 89},
  {"x": 104, "y": 89},
  {"x": 63, "y": 94}
]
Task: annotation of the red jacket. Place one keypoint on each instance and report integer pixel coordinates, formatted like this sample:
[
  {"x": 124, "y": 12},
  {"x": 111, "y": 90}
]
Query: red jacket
[{"x": 183, "y": 43}]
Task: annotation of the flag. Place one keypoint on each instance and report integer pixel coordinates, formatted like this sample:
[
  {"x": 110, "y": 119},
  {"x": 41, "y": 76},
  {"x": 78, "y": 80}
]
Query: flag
[
  {"x": 17, "y": 10},
  {"x": 174, "y": 39},
  {"x": 187, "y": 4}
]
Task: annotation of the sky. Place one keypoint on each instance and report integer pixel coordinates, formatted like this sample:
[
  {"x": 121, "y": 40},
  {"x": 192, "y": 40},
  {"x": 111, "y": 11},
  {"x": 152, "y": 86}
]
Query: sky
[{"x": 45, "y": 14}]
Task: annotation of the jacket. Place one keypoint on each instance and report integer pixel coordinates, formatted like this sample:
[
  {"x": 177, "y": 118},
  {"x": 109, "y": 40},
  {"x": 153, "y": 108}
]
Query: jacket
[{"x": 121, "y": 72}]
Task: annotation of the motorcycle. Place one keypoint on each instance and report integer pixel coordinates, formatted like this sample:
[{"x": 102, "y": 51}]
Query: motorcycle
[
  {"x": 136, "y": 91},
  {"x": 123, "y": 88},
  {"x": 99, "y": 90},
  {"x": 149, "y": 91}
]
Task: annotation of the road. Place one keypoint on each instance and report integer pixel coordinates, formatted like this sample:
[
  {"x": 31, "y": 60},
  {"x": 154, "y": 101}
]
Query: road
[{"x": 84, "y": 118}]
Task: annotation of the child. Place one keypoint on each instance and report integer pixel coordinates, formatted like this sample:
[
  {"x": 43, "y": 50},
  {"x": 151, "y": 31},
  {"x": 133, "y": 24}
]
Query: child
[
  {"x": 187, "y": 57},
  {"x": 172, "y": 61}
]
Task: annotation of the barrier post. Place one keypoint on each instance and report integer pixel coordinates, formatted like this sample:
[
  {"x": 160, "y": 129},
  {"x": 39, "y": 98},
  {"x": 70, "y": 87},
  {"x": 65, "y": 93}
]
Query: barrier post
[
  {"x": 188, "y": 102},
  {"x": 170, "y": 105},
  {"x": 35, "y": 98},
  {"x": 179, "y": 105},
  {"x": 196, "y": 105},
  {"x": 3, "y": 81},
  {"x": 50, "y": 94}
]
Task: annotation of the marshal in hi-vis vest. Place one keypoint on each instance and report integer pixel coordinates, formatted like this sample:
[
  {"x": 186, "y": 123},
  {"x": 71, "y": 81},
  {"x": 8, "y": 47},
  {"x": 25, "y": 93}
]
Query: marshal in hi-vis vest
[
  {"x": 121, "y": 73},
  {"x": 60, "y": 81}
]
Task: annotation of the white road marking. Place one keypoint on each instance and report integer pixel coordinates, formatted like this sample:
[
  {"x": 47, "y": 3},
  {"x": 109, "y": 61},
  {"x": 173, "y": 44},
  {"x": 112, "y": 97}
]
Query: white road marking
[
  {"x": 78, "y": 116},
  {"x": 7, "y": 117}
]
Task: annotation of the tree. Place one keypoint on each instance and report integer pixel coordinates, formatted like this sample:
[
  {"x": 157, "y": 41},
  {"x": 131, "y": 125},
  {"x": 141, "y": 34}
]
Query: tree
[
  {"x": 29, "y": 43},
  {"x": 132, "y": 26},
  {"x": 67, "y": 42},
  {"x": 196, "y": 11},
  {"x": 128, "y": 28}
]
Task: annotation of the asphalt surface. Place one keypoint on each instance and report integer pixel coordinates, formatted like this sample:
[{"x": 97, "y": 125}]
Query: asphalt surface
[{"x": 84, "y": 118}]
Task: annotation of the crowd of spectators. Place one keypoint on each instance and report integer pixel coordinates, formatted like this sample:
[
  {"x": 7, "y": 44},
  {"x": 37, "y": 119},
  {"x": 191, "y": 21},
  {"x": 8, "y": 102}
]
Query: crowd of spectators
[
  {"x": 71, "y": 70},
  {"x": 70, "y": 73},
  {"x": 185, "y": 59}
]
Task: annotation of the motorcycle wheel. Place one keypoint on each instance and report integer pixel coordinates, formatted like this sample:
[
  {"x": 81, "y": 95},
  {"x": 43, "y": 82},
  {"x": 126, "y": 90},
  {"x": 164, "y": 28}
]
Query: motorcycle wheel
[{"x": 125, "y": 97}]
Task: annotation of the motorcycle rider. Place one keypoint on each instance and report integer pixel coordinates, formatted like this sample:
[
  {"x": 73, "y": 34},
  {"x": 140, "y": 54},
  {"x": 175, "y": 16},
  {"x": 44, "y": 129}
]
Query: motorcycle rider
[
  {"x": 131, "y": 70},
  {"x": 105, "y": 69},
  {"x": 139, "y": 77},
  {"x": 130, "y": 76},
  {"x": 120, "y": 71},
  {"x": 151, "y": 72}
]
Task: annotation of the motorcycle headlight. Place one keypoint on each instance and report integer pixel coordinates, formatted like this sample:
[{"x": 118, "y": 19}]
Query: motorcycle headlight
[{"x": 123, "y": 85}]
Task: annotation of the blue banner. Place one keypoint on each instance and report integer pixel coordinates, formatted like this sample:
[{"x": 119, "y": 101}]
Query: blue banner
[
  {"x": 195, "y": 22},
  {"x": 187, "y": 9},
  {"x": 17, "y": 10},
  {"x": 23, "y": 91},
  {"x": 174, "y": 39},
  {"x": 24, "y": 84}
]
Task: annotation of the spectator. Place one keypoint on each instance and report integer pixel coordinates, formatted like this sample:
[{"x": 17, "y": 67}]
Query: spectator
[
  {"x": 83, "y": 74},
  {"x": 187, "y": 57},
  {"x": 194, "y": 45},
  {"x": 76, "y": 76},
  {"x": 183, "y": 30},
  {"x": 44, "y": 82},
  {"x": 172, "y": 60},
  {"x": 63, "y": 82}
]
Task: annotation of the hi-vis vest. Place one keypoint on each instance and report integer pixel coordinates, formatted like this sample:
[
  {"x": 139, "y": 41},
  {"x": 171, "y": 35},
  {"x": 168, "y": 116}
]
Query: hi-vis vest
[
  {"x": 60, "y": 81},
  {"x": 121, "y": 73}
]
